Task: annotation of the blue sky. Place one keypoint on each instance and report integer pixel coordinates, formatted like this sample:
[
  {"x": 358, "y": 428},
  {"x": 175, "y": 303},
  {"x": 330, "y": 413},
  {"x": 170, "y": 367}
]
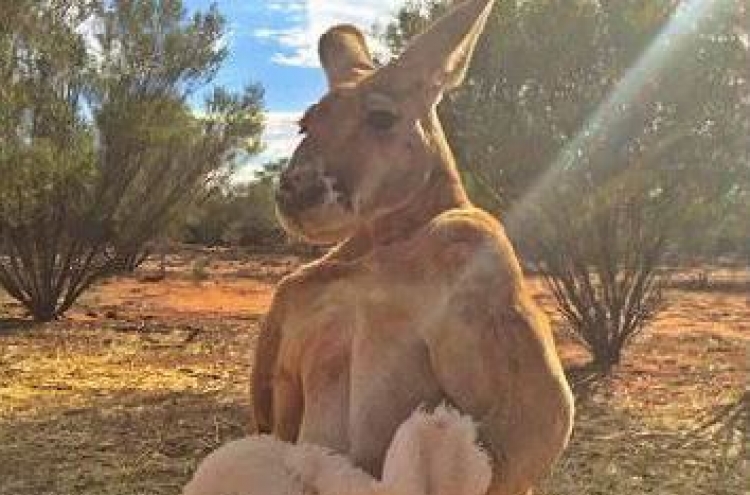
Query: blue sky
[{"x": 274, "y": 42}]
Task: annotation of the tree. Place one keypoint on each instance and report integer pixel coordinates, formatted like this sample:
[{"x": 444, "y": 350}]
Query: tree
[
  {"x": 241, "y": 214},
  {"x": 100, "y": 147},
  {"x": 600, "y": 259},
  {"x": 600, "y": 131},
  {"x": 153, "y": 61},
  {"x": 46, "y": 157}
]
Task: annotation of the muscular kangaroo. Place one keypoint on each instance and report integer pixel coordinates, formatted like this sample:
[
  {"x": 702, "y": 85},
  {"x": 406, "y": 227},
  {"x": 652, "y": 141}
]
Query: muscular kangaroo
[{"x": 422, "y": 300}]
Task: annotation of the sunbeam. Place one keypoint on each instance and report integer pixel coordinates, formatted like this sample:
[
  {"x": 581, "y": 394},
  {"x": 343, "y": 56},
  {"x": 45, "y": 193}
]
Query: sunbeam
[{"x": 608, "y": 125}]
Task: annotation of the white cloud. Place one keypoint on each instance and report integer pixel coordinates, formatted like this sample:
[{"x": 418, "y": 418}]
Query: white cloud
[
  {"x": 298, "y": 43},
  {"x": 281, "y": 135},
  {"x": 280, "y": 139},
  {"x": 286, "y": 7}
]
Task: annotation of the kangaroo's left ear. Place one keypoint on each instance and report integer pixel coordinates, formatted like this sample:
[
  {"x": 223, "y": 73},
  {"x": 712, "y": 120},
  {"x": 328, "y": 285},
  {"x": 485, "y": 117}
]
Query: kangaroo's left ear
[
  {"x": 437, "y": 60},
  {"x": 344, "y": 55}
]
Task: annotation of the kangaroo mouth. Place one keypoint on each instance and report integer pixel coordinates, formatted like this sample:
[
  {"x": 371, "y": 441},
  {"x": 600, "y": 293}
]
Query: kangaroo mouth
[
  {"x": 325, "y": 192},
  {"x": 301, "y": 199},
  {"x": 320, "y": 212}
]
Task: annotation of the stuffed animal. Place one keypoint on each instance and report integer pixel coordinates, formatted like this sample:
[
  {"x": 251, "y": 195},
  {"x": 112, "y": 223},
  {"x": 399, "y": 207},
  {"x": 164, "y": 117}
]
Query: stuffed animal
[{"x": 431, "y": 454}]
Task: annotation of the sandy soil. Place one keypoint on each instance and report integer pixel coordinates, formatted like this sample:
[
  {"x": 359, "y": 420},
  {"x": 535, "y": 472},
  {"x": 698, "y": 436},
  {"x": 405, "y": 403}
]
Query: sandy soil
[{"x": 142, "y": 379}]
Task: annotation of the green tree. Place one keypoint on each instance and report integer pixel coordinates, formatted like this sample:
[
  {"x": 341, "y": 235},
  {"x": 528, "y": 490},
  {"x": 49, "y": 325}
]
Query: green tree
[
  {"x": 99, "y": 148},
  {"x": 238, "y": 214},
  {"x": 47, "y": 159},
  {"x": 156, "y": 155}
]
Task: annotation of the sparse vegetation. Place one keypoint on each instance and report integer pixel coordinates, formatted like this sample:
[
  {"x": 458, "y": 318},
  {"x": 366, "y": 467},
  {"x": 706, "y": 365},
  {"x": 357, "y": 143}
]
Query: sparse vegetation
[
  {"x": 600, "y": 256},
  {"x": 236, "y": 214},
  {"x": 93, "y": 405},
  {"x": 198, "y": 272},
  {"x": 99, "y": 147}
]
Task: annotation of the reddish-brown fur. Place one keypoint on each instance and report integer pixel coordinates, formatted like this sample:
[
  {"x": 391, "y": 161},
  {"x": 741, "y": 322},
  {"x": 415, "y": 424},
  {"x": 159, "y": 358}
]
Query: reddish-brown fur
[{"x": 423, "y": 299}]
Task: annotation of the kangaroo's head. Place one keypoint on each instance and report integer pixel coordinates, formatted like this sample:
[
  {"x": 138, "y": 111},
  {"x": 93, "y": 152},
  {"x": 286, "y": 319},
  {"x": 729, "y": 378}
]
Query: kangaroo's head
[{"x": 373, "y": 142}]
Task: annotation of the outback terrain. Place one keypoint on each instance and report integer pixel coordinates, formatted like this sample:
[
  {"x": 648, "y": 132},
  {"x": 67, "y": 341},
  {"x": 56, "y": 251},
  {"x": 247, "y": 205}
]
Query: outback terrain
[{"x": 145, "y": 376}]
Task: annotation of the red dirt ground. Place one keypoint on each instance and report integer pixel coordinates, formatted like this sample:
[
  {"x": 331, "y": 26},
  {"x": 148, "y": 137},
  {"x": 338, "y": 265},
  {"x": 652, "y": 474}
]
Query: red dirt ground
[{"x": 126, "y": 393}]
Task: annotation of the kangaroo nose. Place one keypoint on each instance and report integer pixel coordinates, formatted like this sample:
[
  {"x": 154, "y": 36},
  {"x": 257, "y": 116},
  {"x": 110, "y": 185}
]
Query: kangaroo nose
[
  {"x": 299, "y": 189},
  {"x": 286, "y": 184},
  {"x": 294, "y": 179}
]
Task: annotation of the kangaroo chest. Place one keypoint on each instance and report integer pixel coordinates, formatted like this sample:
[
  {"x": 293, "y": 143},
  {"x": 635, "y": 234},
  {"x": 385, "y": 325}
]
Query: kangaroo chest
[{"x": 355, "y": 350}]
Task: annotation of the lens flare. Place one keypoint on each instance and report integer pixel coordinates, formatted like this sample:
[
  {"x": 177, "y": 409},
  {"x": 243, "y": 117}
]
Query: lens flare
[{"x": 609, "y": 125}]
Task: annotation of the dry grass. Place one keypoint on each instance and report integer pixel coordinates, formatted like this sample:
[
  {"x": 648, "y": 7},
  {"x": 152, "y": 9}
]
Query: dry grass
[{"x": 129, "y": 392}]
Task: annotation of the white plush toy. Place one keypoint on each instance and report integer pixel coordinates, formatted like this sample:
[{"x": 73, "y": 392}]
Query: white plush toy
[{"x": 431, "y": 454}]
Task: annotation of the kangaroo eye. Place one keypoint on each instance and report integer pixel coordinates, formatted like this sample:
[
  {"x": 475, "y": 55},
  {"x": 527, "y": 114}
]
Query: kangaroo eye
[{"x": 382, "y": 120}]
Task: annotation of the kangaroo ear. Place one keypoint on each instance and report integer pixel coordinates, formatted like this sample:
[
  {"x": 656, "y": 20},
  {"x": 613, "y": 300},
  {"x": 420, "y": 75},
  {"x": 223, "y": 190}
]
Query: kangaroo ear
[
  {"x": 344, "y": 55},
  {"x": 437, "y": 60}
]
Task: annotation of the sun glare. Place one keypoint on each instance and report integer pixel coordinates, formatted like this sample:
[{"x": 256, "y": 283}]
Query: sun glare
[{"x": 608, "y": 124}]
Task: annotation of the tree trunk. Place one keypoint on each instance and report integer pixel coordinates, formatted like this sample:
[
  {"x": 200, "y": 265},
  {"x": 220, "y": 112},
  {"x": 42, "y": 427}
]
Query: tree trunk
[{"x": 43, "y": 313}]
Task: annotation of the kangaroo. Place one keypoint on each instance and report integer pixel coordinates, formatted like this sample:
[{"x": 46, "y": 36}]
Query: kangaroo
[{"x": 422, "y": 299}]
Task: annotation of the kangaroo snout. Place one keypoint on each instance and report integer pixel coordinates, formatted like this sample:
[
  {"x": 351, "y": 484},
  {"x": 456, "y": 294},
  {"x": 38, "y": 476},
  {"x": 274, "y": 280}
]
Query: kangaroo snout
[
  {"x": 304, "y": 187},
  {"x": 297, "y": 192}
]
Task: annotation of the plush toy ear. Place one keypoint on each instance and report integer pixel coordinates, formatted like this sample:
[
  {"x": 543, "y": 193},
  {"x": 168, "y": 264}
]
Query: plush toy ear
[
  {"x": 437, "y": 454},
  {"x": 437, "y": 60},
  {"x": 344, "y": 55}
]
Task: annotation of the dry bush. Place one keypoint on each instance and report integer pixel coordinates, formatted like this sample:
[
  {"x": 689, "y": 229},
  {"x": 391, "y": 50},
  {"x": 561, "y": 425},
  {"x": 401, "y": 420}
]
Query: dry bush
[{"x": 599, "y": 249}]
